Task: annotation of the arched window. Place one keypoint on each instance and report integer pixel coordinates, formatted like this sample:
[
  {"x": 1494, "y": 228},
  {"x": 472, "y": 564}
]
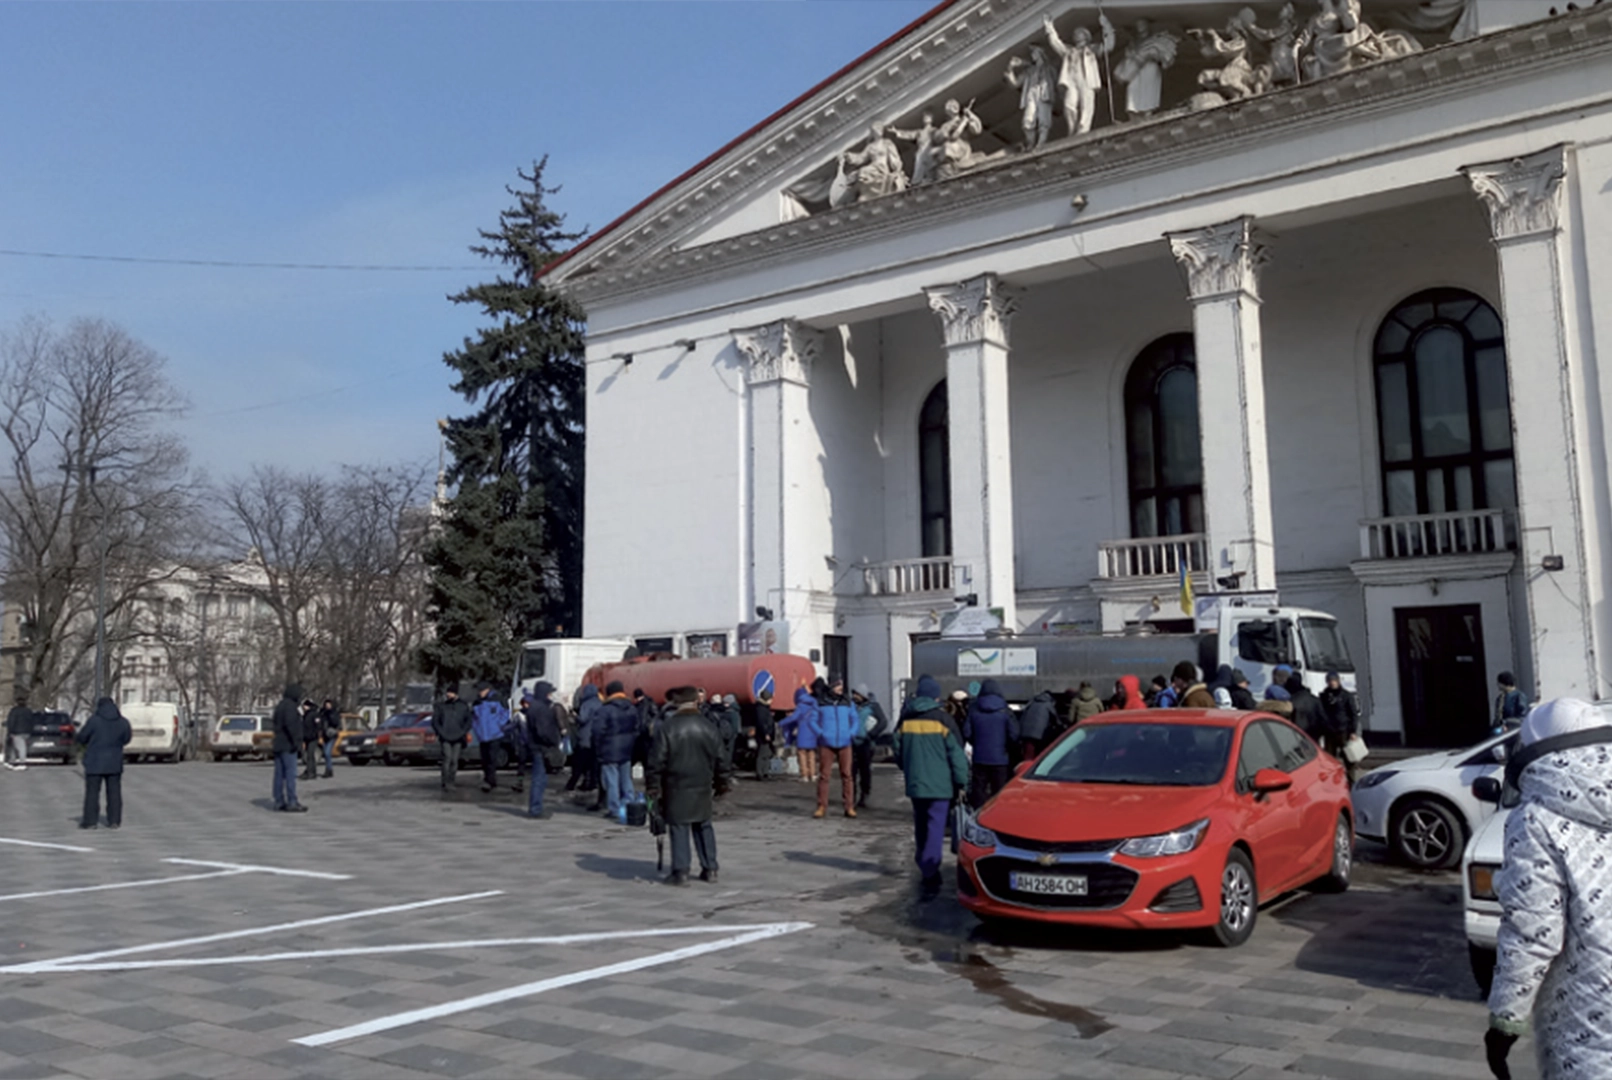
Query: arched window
[
  {"x": 935, "y": 474},
  {"x": 1443, "y": 410},
  {"x": 1164, "y": 455}
]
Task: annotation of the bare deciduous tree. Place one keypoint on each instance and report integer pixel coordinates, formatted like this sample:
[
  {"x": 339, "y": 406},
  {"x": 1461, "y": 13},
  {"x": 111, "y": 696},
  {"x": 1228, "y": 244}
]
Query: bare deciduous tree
[{"x": 92, "y": 470}]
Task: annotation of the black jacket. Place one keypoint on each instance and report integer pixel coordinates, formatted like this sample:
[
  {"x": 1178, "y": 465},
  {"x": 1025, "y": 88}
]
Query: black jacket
[
  {"x": 329, "y": 724},
  {"x": 1243, "y": 698},
  {"x": 685, "y": 764},
  {"x": 451, "y": 720},
  {"x": 20, "y": 720},
  {"x": 103, "y": 738},
  {"x": 615, "y": 730},
  {"x": 1340, "y": 712},
  {"x": 287, "y": 724},
  {"x": 766, "y": 725},
  {"x": 542, "y": 726},
  {"x": 1306, "y": 708},
  {"x": 311, "y": 725},
  {"x": 1040, "y": 718}
]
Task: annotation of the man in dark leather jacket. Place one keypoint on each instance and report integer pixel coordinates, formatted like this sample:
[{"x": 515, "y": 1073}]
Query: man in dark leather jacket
[
  {"x": 686, "y": 764},
  {"x": 450, "y": 720},
  {"x": 287, "y": 724}
]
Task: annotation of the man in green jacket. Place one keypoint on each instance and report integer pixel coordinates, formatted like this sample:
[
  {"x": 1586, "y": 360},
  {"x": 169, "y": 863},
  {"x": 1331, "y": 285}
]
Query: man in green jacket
[{"x": 936, "y": 768}]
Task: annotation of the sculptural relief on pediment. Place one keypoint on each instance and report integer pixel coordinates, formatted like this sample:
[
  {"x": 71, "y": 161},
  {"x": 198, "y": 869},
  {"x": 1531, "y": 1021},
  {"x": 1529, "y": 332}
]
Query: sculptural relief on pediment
[{"x": 1091, "y": 69}]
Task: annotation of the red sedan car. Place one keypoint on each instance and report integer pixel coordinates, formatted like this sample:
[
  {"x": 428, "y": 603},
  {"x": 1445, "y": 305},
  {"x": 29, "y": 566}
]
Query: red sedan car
[{"x": 1161, "y": 819}]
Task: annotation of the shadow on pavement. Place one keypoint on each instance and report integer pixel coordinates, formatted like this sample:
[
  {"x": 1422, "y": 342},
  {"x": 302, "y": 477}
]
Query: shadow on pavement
[
  {"x": 1411, "y": 939},
  {"x": 618, "y": 869}
]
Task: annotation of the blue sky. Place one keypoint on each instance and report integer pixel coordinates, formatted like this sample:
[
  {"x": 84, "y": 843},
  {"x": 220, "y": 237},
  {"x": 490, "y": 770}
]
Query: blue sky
[{"x": 351, "y": 133}]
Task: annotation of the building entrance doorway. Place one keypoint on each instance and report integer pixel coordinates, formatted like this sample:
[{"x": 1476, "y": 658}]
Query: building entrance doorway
[
  {"x": 1443, "y": 684},
  {"x": 837, "y": 657}
]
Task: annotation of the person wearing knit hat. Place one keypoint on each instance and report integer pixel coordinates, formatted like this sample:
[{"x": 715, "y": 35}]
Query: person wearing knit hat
[
  {"x": 1554, "y": 964},
  {"x": 1510, "y": 704},
  {"x": 936, "y": 769}
]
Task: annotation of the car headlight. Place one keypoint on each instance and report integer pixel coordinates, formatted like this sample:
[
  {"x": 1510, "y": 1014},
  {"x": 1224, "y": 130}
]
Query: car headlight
[
  {"x": 1480, "y": 881},
  {"x": 977, "y": 834},
  {"x": 1171, "y": 843},
  {"x": 1372, "y": 779}
]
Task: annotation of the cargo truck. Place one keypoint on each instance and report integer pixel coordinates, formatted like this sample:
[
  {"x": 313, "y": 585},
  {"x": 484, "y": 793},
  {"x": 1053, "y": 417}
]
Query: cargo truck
[{"x": 1253, "y": 639}]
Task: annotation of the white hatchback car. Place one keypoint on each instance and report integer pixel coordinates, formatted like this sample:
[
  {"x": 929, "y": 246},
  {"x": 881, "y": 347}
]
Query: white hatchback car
[
  {"x": 1479, "y": 868},
  {"x": 1423, "y": 808}
]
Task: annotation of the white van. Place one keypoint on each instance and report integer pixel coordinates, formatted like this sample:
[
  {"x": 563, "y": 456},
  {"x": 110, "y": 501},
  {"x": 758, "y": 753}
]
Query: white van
[
  {"x": 161, "y": 731},
  {"x": 561, "y": 662}
]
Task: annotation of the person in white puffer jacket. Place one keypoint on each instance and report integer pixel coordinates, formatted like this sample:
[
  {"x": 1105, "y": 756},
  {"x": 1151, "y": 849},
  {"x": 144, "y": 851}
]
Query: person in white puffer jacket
[{"x": 1555, "y": 948}]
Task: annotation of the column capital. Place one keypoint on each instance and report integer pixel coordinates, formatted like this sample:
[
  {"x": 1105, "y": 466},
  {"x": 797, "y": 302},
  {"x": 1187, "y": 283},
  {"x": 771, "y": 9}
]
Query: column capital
[
  {"x": 1219, "y": 260},
  {"x": 1523, "y": 195},
  {"x": 976, "y": 310},
  {"x": 781, "y": 351}
]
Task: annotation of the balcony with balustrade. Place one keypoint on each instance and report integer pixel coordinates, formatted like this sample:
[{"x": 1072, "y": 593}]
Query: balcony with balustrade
[
  {"x": 1463, "y": 543},
  {"x": 909, "y": 577},
  {"x": 1153, "y": 557}
]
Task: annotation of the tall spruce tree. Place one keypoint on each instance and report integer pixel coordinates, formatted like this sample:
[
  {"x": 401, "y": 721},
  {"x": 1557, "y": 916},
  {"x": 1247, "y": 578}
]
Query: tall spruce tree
[{"x": 506, "y": 563}]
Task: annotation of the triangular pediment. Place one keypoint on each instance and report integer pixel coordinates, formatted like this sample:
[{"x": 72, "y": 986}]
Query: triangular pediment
[{"x": 978, "y": 72}]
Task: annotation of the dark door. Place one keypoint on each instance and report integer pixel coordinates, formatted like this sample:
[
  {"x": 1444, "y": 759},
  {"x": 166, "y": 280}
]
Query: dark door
[
  {"x": 837, "y": 657},
  {"x": 1443, "y": 687}
]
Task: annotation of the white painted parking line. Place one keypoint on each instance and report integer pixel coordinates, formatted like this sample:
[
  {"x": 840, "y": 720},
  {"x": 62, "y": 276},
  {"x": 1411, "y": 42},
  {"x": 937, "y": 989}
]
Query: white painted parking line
[
  {"x": 40, "y": 844},
  {"x": 40, "y": 966},
  {"x": 239, "y": 867},
  {"x": 120, "y": 885},
  {"x": 434, "y": 1012},
  {"x": 381, "y": 950}
]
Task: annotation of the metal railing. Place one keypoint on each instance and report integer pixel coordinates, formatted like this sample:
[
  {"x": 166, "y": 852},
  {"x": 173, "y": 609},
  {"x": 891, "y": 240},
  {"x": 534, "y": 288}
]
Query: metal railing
[
  {"x": 901, "y": 577},
  {"x": 1153, "y": 556},
  {"x": 1464, "y": 532}
]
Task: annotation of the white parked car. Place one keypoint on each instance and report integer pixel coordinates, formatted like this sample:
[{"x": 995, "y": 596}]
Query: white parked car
[
  {"x": 1423, "y": 807},
  {"x": 1479, "y": 868}
]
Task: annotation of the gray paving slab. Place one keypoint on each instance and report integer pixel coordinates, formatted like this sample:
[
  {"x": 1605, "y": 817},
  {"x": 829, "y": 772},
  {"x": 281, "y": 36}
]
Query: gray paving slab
[{"x": 1369, "y": 983}]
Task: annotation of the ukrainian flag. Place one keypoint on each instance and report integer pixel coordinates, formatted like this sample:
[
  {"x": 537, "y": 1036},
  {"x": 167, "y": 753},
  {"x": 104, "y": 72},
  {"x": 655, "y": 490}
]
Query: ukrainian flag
[{"x": 1186, "y": 589}]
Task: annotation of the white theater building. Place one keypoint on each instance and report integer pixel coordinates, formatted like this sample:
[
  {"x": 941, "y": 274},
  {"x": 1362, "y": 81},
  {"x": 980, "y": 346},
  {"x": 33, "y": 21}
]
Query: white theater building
[{"x": 1321, "y": 304}]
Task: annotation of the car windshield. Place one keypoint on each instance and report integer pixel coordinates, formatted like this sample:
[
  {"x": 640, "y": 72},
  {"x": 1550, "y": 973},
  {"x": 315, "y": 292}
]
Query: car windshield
[
  {"x": 1324, "y": 648},
  {"x": 1171, "y": 755}
]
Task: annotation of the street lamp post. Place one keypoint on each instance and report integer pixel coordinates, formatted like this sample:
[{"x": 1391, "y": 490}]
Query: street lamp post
[{"x": 100, "y": 596}]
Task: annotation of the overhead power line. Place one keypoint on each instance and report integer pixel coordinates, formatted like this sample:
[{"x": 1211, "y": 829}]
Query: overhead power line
[{"x": 238, "y": 264}]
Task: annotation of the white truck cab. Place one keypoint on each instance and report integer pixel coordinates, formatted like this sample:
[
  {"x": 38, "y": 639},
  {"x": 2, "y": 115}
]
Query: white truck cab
[{"x": 561, "y": 662}]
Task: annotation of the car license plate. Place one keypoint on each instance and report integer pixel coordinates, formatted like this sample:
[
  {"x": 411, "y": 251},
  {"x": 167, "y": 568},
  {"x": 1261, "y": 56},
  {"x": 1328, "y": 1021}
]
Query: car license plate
[
  {"x": 43, "y": 744},
  {"x": 1048, "y": 884}
]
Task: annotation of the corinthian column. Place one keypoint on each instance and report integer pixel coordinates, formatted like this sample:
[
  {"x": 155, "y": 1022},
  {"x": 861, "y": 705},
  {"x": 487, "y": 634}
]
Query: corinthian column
[
  {"x": 1524, "y": 200},
  {"x": 1222, "y": 264},
  {"x": 778, "y": 360},
  {"x": 974, "y": 317}
]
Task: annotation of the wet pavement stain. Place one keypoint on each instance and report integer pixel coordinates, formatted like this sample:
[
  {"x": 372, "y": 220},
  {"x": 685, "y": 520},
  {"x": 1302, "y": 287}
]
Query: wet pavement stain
[{"x": 987, "y": 978}]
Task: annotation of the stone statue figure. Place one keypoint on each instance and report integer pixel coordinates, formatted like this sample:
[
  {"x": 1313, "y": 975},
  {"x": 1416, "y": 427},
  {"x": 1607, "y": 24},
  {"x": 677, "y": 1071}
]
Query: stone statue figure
[
  {"x": 1141, "y": 66},
  {"x": 1080, "y": 76},
  {"x": 1339, "y": 39},
  {"x": 1283, "y": 41},
  {"x": 924, "y": 148},
  {"x": 953, "y": 152},
  {"x": 1238, "y": 77},
  {"x": 878, "y": 169},
  {"x": 1033, "y": 79}
]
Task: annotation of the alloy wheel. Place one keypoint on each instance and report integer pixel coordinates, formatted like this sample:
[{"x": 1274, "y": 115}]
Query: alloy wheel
[
  {"x": 1343, "y": 851},
  {"x": 1236, "y": 897},
  {"x": 1426, "y": 836}
]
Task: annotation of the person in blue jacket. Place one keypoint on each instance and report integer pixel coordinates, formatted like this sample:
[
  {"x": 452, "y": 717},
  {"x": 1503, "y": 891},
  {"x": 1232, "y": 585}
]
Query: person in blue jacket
[
  {"x": 488, "y": 718},
  {"x": 990, "y": 729},
  {"x": 804, "y": 720},
  {"x": 615, "y": 734},
  {"x": 836, "y": 729}
]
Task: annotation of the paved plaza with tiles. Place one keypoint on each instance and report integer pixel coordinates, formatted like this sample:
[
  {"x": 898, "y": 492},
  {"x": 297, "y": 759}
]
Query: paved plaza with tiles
[{"x": 452, "y": 936}]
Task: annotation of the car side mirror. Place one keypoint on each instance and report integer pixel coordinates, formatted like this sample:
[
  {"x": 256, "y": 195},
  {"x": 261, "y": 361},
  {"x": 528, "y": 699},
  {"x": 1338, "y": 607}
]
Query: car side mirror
[
  {"x": 1486, "y": 789},
  {"x": 1269, "y": 780},
  {"x": 1023, "y": 767}
]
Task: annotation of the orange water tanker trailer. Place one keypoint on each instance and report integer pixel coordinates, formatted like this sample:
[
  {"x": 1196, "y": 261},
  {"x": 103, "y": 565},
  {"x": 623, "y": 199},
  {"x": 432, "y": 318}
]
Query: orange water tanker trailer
[{"x": 745, "y": 677}]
